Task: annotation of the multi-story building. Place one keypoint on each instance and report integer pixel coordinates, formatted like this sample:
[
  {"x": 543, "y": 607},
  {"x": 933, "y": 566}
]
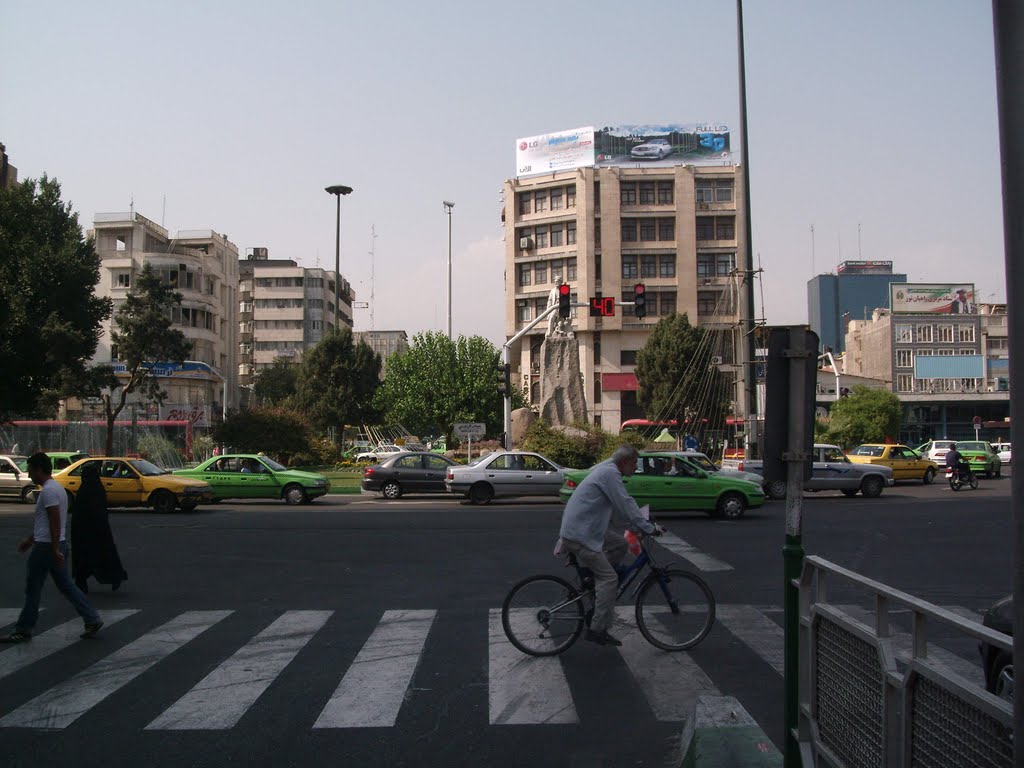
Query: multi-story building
[
  {"x": 676, "y": 228},
  {"x": 857, "y": 288},
  {"x": 284, "y": 309},
  {"x": 8, "y": 173},
  {"x": 202, "y": 265},
  {"x": 384, "y": 343}
]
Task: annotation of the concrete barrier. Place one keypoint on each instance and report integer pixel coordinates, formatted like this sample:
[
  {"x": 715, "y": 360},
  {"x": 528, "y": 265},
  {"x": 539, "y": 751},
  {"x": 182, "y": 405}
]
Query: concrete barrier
[{"x": 720, "y": 732}]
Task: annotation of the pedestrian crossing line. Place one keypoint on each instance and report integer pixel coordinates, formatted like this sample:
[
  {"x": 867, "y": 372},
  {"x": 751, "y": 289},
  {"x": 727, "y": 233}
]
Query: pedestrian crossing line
[
  {"x": 524, "y": 690},
  {"x": 701, "y": 560},
  {"x": 671, "y": 682},
  {"x": 51, "y": 641},
  {"x": 220, "y": 699},
  {"x": 373, "y": 690},
  {"x": 759, "y": 633},
  {"x": 63, "y": 704}
]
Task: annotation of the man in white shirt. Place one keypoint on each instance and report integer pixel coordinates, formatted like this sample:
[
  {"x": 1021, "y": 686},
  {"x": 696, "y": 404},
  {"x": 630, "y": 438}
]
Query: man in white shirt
[{"x": 49, "y": 555}]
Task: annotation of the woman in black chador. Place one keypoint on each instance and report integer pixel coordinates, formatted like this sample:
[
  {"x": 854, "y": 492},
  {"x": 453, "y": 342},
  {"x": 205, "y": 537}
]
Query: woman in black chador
[{"x": 93, "y": 552}]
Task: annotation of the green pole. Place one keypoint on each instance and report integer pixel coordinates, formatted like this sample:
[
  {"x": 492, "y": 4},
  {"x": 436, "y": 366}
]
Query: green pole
[{"x": 793, "y": 563}]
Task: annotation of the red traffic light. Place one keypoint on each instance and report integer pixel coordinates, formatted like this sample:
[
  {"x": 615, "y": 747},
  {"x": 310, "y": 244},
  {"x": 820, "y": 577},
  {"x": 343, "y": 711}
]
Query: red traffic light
[
  {"x": 639, "y": 289},
  {"x": 564, "y": 289}
]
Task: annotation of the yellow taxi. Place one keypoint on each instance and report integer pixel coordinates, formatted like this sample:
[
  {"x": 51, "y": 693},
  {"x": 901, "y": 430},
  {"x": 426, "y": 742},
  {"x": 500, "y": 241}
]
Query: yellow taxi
[
  {"x": 906, "y": 463},
  {"x": 138, "y": 483}
]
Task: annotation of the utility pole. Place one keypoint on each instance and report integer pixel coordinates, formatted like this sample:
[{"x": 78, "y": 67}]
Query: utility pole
[{"x": 448, "y": 206}]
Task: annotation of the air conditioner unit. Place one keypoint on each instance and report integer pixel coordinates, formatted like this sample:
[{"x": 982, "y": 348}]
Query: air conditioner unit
[
  {"x": 716, "y": 360},
  {"x": 525, "y": 243},
  {"x": 703, "y": 206}
]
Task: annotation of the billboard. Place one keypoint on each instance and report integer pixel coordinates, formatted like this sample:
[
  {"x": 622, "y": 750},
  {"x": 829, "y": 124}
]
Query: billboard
[
  {"x": 632, "y": 146},
  {"x": 878, "y": 267},
  {"x": 934, "y": 298},
  {"x": 190, "y": 369}
]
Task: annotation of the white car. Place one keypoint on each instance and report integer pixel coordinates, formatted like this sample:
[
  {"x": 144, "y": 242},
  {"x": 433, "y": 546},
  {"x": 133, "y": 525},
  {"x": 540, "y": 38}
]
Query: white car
[
  {"x": 936, "y": 450},
  {"x": 655, "y": 149},
  {"x": 1003, "y": 449},
  {"x": 505, "y": 473},
  {"x": 703, "y": 461},
  {"x": 14, "y": 480},
  {"x": 381, "y": 452}
]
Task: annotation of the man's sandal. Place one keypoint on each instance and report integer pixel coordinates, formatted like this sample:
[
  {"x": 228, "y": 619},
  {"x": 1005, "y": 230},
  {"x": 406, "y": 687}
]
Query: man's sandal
[{"x": 15, "y": 637}]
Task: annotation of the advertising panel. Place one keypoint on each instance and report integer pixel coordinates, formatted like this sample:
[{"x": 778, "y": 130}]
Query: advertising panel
[
  {"x": 625, "y": 145},
  {"x": 190, "y": 369},
  {"x": 935, "y": 298},
  {"x": 884, "y": 267},
  {"x": 199, "y": 415}
]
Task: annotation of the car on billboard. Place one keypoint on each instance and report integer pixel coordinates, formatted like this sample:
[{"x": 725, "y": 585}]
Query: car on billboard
[{"x": 654, "y": 149}]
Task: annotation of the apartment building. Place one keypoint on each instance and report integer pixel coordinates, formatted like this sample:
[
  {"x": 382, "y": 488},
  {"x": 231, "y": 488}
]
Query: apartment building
[
  {"x": 852, "y": 293},
  {"x": 384, "y": 343},
  {"x": 202, "y": 265},
  {"x": 677, "y": 228},
  {"x": 284, "y": 309}
]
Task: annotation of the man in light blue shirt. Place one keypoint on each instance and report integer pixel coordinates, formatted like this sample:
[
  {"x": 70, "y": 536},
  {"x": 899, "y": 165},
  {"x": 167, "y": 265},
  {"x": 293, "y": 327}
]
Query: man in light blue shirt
[{"x": 598, "y": 501}]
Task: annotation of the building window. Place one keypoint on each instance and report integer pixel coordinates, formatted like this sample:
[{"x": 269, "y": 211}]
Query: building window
[
  {"x": 945, "y": 334},
  {"x": 556, "y": 199},
  {"x": 627, "y": 190},
  {"x": 556, "y": 270},
  {"x": 924, "y": 334},
  {"x": 667, "y": 265},
  {"x": 597, "y": 348},
  {"x": 707, "y": 302},
  {"x": 904, "y": 382},
  {"x": 570, "y": 233},
  {"x": 946, "y": 352},
  {"x": 705, "y": 229},
  {"x": 904, "y": 334},
  {"x": 627, "y": 296},
  {"x": 539, "y": 305},
  {"x": 725, "y": 228},
  {"x": 666, "y": 302},
  {"x": 629, "y": 271},
  {"x": 705, "y": 265},
  {"x": 597, "y": 388},
  {"x": 646, "y": 193},
  {"x": 647, "y": 230},
  {"x": 597, "y": 197},
  {"x": 525, "y": 203},
  {"x": 726, "y": 264},
  {"x": 570, "y": 196},
  {"x": 540, "y": 201},
  {"x": 627, "y": 357},
  {"x": 666, "y": 229},
  {"x": 524, "y": 274},
  {"x": 523, "y": 311},
  {"x": 705, "y": 192},
  {"x": 597, "y": 266},
  {"x": 904, "y": 358},
  {"x": 122, "y": 244},
  {"x": 648, "y": 266},
  {"x": 924, "y": 352},
  {"x": 124, "y": 279},
  {"x": 541, "y": 236},
  {"x": 570, "y": 268},
  {"x": 968, "y": 351},
  {"x": 629, "y": 230},
  {"x": 666, "y": 192},
  {"x": 556, "y": 236},
  {"x": 723, "y": 191},
  {"x": 597, "y": 233},
  {"x": 966, "y": 333},
  {"x": 540, "y": 272}
]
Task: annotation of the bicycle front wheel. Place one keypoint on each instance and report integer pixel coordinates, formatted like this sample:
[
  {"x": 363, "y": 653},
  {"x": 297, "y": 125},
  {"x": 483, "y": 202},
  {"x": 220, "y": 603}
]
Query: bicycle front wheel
[
  {"x": 674, "y": 609},
  {"x": 543, "y": 615}
]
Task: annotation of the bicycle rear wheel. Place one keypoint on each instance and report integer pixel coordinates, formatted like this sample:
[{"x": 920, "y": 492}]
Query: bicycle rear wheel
[
  {"x": 542, "y": 615},
  {"x": 674, "y": 609}
]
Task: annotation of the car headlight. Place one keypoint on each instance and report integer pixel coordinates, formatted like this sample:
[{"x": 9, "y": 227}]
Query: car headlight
[{"x": 319, "y": 482}]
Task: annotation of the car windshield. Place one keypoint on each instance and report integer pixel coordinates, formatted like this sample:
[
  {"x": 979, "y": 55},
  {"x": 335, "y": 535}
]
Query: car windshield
[
  {"x": 970, "y": 447},
  {"x": 703, "y": 462},
  {"x": 867, "y": 450},
  {"x": 272, "y": 464},
  {"x": 147, "y": 468}
]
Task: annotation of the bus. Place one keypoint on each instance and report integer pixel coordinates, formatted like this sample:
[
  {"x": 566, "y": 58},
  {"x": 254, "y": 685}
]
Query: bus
[{"x": 650, "y": 429}]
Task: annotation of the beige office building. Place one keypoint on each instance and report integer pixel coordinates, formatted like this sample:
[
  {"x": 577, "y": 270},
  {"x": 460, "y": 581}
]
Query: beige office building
[
  {"x": 384, "y": 343},
  {"x": 202, "y": 265},
  {"x": 677, "y": 229}
]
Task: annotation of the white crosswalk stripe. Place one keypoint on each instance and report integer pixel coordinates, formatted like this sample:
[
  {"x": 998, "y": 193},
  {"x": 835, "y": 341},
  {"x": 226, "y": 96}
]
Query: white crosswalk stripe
[
  {"x": 761, "y": 634},
  {"x": 700, "y": 560}
]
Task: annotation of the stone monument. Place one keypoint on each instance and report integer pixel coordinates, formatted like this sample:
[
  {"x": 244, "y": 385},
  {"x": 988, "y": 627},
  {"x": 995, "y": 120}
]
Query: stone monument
[{"x": 562, "y": 399}]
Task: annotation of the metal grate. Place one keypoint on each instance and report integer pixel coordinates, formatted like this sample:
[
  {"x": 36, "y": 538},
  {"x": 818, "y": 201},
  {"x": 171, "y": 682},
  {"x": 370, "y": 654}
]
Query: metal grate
[
  {"x": 849, "y": 696},
  {"x": 947, "y": 730}
]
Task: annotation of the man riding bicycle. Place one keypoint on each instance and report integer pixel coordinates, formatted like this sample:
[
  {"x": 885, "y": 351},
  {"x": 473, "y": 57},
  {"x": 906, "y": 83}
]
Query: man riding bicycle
[
  {"x": 587, "y": 531},
  {"x": 955, "y": 461}
]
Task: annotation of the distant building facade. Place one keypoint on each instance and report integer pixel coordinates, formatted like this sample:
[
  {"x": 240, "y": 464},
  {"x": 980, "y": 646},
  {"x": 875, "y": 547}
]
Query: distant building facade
[
  {"x": 384, "y": 343},
  {"x": 853, "y": 293},
  {"x": 8, "y": 173}
]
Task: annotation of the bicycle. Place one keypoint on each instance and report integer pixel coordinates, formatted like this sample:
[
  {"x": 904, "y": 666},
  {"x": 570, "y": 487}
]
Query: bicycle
[{"x": 544, "y": 615}]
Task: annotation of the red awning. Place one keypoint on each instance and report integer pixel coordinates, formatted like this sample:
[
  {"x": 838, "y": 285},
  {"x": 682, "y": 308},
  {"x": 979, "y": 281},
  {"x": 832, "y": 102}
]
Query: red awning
[{"x": 619, "y": 382}]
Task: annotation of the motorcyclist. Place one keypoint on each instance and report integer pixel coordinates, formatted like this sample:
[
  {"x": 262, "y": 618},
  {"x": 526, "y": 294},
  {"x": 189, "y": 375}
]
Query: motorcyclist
[{"x": 956, "y": 462}]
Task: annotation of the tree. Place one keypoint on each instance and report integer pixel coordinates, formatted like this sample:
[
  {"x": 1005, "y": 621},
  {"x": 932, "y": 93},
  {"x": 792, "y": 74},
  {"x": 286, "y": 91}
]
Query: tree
[
  {"x": 275, "y": 384},
  {"x": 438, "y": 382},
  {"x": 677, "y": 378},
  {"x": 142, "y": 336},
  {"x": 281, "y": 432},
  {"x": 337, "y": 381},
  {"x": 866, "y": 415},
  {"x": 50, "y": 318}
]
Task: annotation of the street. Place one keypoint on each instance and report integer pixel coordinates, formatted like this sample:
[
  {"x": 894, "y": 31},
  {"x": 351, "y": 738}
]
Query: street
[{"x": 360, "y": 631}]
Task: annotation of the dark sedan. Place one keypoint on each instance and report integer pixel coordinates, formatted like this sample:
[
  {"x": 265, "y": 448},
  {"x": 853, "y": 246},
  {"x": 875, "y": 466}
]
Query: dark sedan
[{"x": 410, "y": 472}]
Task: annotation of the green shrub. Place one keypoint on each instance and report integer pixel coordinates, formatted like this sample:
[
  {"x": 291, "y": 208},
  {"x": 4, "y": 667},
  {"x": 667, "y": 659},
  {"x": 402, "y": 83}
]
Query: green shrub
[{"x": 576, "y": 451}]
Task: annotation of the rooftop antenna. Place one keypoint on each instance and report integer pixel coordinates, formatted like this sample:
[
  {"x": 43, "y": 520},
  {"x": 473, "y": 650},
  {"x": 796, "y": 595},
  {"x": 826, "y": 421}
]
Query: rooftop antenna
[
  {"x": 163, "y": 212},
  {"x": 859, "y": 254},
  {"x": 812, "y": 250},
  {"x": 373, "y": 250},
  {"x": 131, "y": 207}
]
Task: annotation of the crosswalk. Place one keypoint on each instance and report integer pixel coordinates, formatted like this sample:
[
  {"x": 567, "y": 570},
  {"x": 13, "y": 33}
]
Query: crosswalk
[{"x": 381, "y": 678}]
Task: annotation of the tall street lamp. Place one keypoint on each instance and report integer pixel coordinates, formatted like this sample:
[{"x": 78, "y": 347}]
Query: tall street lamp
[
  {"x": 337, "y": 190},
  {"x": 448, "y": 207}
]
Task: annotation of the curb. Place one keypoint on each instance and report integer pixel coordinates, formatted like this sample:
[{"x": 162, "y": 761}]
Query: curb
[{"x": 720, "y": 732}]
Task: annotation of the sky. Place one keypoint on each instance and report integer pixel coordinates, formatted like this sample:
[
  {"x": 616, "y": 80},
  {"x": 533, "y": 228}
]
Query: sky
[{"x": 872, "y": 122}]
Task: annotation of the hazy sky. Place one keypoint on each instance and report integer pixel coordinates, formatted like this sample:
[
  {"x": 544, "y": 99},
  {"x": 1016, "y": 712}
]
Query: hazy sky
[{"x": 867, "y": 118}]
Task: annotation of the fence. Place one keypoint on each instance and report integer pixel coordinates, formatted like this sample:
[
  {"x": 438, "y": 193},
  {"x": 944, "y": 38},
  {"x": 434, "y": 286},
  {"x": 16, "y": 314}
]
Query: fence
[
  {"x": 165, "y": 442},
  {"x": 868, "y": 701}
]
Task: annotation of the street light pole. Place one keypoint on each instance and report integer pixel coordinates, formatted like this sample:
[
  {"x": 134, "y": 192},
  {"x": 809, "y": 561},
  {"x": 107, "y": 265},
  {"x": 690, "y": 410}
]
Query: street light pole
[
  {"x": 448, "y": 206},
  {"x": 337, "y": 190}
]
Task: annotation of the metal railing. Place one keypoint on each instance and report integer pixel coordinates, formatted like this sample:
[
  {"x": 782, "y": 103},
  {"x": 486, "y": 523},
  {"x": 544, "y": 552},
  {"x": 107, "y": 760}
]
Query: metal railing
[{"x": 866, "y": 701}]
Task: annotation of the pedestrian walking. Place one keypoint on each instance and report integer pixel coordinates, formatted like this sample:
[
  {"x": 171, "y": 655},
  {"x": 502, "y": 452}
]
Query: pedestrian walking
[
  {"x": 48, "y": 555},
  {"x": 93, "y": 551}
]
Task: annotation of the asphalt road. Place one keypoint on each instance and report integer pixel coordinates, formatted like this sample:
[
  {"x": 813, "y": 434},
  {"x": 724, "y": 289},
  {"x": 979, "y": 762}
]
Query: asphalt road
[{"x": 360, "y": 631}]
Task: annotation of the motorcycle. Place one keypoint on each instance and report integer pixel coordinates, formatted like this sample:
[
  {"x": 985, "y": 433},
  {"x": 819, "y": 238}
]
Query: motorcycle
[{"x": 957, "y": 479}]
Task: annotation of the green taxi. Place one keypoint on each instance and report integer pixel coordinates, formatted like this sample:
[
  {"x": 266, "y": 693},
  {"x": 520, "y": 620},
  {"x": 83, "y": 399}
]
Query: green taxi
[
  {"x": 255, "y": 476},
  {"x": 981, "y": 456},
  {"x": 669, "y": 481}
]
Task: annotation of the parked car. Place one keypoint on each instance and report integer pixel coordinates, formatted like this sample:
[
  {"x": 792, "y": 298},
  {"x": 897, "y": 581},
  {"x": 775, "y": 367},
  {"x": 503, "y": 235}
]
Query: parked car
[
  {"x": 505, "y": 473},
  {"x": 996, "y": 662},
  {"x": 1003, "y": 449},
  {"x": 138, "y": 483},
  {"x": 415, "y": 472},
  {"x": 654, "y": 149},
  {"x": 14, "y": 480},
  {"x": 935, "y": 450},
  {"x": 668, "y": 481},
  {"x": 254, "y": 476},
  {"x": 831, "y": 470},
  {"x": 381, "y": 452},
  {"x": 905, "y": 463},
  {"x": 982, "y": 458}
]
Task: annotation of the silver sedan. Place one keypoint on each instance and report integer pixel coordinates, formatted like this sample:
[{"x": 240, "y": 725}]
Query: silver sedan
[{"x": 505, "y": 473}]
